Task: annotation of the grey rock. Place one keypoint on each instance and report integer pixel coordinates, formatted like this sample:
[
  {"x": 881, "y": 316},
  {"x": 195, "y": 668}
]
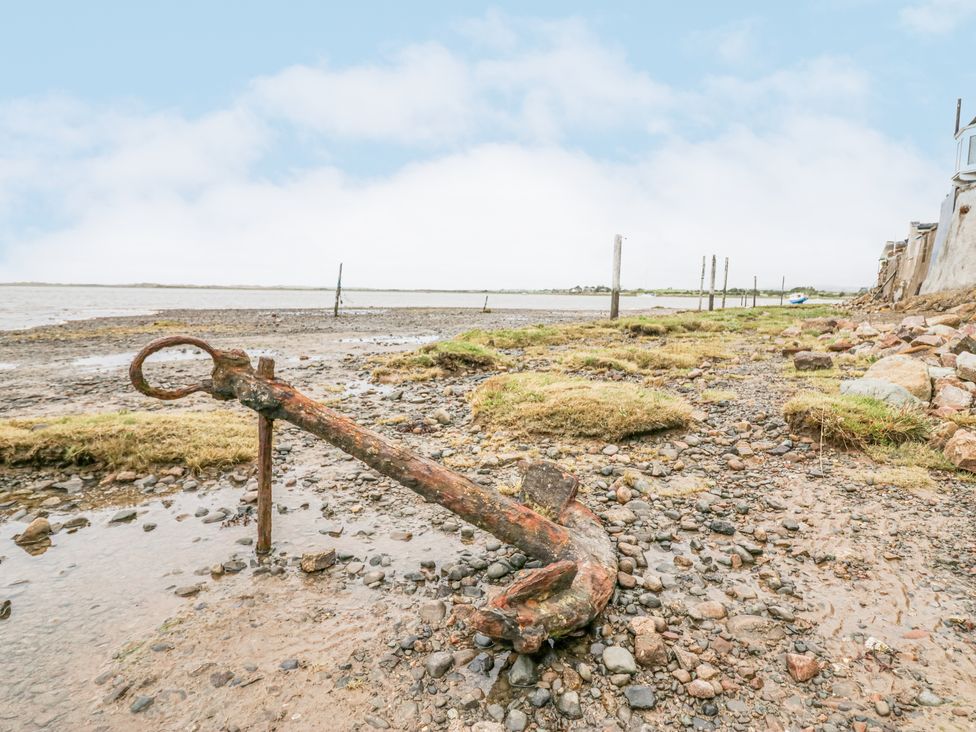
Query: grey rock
[
  {"x": 927, "y": 699},
  {"x": 438, "y": 663},
  {"x": 892, "y": 394},
  {"x": 619, "y": 660},
  {"x": 569, "y": 705},
  {"x": 140, "y": 704},
  {"x": 516, "y": 721},
  {"x": 640, "y": 697},
  {"x": 374, "y": 577},
  {"x": 523, "y": 672},
  {"x": 497, "y": 570},
  {"x": 126, "y": 514}
]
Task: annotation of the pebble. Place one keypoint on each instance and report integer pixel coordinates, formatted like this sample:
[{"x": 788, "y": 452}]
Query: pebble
[
  {"x": 126, "y": 514},
  {"x": 523, "y": 672},
  {"x": 568, "y": 705},
  {"x": 640, "y": 697},
  {"x": 619, "y": 660},
  {"x": 439, "y": 663}
]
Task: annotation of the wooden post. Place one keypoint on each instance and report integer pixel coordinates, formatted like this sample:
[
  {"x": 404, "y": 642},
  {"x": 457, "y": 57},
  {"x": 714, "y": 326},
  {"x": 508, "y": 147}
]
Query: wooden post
[
  {"x": 782, "y": 291},
  {"x": 335, "y": 310},
  {"x": 755, "y": 290},
  {"x": 615, "y": 287},
  {"x": 484, "y": 308},
  {"x": 725, "y": 282},
  {"x": 701, "y": 287},
  {"x": 711, "y": 287},
  {"x": 265, "y": 429}
]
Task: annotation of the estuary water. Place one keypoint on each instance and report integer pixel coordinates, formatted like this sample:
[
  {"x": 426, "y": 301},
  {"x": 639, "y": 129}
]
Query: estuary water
[{"x": 28, "y": 306}]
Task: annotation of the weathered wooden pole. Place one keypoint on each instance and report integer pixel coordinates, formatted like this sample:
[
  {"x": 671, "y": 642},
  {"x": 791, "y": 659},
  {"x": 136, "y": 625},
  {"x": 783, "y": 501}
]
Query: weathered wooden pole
[
  {"x": 265, "y": 431},
  {"x": 725, "y": 282},
  {"x": 711, "y": 287},
  {"x": 755, "y": 289},
  {"x": 701, "y": 287},
  {"x": 615, "y": 286},
  {"x": 782, "y": 291},
  {"x": 335, "y": 310},
  {"x": 484, "y": 308}
]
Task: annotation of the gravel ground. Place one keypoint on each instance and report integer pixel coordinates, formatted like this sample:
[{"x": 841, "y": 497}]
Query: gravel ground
[{"x": 763, "y": 584}]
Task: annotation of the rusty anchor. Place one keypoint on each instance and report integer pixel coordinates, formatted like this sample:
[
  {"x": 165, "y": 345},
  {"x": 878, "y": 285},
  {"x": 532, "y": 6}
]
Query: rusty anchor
[{"x": 547, "y": 522}]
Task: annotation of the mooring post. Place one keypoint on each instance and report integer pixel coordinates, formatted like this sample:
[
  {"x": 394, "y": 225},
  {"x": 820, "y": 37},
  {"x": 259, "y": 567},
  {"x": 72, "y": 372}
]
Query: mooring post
[
  {"x": 782, "y": 291},
  {"x": 755, "y": 289},
  {"x": 335, "y": 310},
  {"x": 701, "y": 287},
  {"x": 265, "y": 429},
  {"x": 725, "y": 282},
  {"x": 615, "y": 287},
  {"x": 711, "y": 287}
]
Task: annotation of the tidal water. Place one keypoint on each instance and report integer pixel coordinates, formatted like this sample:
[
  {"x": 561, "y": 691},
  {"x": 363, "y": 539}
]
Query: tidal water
[{"x": 30, "y": 306}]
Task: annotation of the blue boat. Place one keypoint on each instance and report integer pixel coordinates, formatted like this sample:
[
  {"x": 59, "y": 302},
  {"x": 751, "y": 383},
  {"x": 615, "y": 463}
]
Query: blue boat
[{"x": 798, "y": 298}]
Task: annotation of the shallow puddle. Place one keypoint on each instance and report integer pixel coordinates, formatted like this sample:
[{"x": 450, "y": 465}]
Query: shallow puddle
[{"x": 78, "y": 603}]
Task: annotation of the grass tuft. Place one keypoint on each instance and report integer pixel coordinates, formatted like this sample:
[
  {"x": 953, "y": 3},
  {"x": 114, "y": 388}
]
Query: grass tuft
[
  {"x": 854, "y": 420},
  {"x": 541, "y": 403},
  {"x": 133, "y": 440},
  {"x": 438, "y": 359},
  {"x": 904, "y": 477},
  {"x": 631, "y": 359}
]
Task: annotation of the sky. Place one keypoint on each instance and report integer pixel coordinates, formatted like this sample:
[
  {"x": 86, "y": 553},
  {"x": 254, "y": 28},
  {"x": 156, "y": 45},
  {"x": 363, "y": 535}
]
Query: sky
[{"x": 465, "y": 145}]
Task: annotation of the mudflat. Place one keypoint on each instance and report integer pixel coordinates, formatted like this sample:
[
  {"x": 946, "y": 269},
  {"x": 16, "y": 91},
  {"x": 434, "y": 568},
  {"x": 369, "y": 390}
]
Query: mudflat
[{"x": 765, "y": 581}]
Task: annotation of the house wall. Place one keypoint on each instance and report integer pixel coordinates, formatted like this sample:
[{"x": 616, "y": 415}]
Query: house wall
[
  {"x": 914, "y": 265},
  {"x": 954, "y": 265}
]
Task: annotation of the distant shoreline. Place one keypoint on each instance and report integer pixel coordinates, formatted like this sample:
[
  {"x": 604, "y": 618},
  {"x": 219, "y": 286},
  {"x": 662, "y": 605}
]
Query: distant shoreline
[{"x": 658, "y": 292}]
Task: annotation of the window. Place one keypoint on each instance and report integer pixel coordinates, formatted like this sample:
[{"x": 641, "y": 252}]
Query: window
[{"x": 972, "y": 150}]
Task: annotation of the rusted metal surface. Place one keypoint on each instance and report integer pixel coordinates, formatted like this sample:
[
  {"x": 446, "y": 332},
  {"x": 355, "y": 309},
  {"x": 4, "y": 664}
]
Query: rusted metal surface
[
  {"x": 555, "y": 528},
  {"x": 265, "y": 432}
]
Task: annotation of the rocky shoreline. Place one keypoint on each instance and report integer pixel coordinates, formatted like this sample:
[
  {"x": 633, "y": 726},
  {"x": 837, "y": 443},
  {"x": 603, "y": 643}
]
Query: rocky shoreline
[{"x": 764, "y": 582}]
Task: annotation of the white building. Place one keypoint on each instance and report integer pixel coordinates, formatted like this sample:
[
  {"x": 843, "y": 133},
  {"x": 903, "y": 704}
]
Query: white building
[{"x": 954, "y": 251}]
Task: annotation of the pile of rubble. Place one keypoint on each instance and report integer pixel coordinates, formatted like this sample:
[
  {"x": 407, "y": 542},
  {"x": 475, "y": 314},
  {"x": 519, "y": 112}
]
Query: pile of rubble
[{"x": 920, "y": 362}]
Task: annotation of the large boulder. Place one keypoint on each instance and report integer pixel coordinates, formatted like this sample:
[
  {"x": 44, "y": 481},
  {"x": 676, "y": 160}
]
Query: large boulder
[
  {"x": 966, "y": 366},
  {"x": 961, "y": 450},
  {"x": 812, "y": 361},
  {"x": 885, "y": 391},
  {"x": 905, "y": 371}
]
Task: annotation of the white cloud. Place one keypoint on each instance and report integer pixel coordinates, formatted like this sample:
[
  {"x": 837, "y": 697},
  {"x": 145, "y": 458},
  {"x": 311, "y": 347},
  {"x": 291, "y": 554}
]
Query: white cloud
[
  {"x": 423, "y": 95},
  {"x": 937, "y": 16},
  {"x": 555, "y": 79},
  {"x": 783, "y": 178}
]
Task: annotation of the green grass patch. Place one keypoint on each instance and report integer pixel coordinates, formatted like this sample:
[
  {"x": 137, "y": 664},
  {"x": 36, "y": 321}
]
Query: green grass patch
[
  {"x": 908, "y": 477},
  {"x": 537, "y": 335},
  {"x": 911, "y": 454},
  {"x": 854, "y": 420},
  {"x": 630, "y": 359},
  {"x": 439, "y": 359},
  {"x": 134, "y": 440},
  {"x": 542, "y": 403},
  {"x": 768, "y": 320}
]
